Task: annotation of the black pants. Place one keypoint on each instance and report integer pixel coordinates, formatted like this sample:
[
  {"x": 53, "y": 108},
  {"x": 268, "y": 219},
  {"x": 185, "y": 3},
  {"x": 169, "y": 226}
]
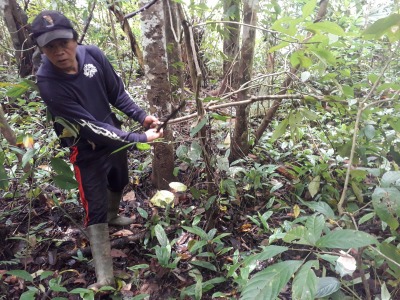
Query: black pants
[{"x": 96, "y": 176}]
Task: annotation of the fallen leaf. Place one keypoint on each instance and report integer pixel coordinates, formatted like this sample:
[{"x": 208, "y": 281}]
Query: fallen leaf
[
  {"x": 131, "y": 196},
  {"x": 296, "y": 211},
  {"x": 177, "y": 186},
  {"x": 163, "y": 198},
  {"x": 117, "y": 253},
  {"x": 122, "y": 232},
  {"x": 345, "y": 264},
  {"x": 246, "y": 227}
]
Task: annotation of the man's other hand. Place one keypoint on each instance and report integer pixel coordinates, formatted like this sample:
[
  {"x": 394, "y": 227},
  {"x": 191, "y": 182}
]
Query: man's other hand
[
  {"x": 150, "y": 122},
  {"x": 152, "y": 134}
]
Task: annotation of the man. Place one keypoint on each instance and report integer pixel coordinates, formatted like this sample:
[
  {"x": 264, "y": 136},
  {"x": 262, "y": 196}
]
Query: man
[{"x": 78, "y": 84}]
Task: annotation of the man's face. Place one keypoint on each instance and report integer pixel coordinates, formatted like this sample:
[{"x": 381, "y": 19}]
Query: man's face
[{"x": 62, "y": 54}]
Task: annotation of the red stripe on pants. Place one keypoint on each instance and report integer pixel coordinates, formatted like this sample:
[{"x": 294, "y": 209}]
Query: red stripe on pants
[{"x": 72, "y": 159}]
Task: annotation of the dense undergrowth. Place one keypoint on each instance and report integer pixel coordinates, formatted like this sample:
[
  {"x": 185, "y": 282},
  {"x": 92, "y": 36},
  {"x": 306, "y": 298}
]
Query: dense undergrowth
[{"x": 277, "y": 228}]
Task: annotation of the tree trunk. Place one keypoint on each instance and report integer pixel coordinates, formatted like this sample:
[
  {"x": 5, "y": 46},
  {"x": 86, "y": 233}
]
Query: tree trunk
[
  {"x": 16, "y": 22},
  {"x": 158, "y": 88},
  {"x": 172, "y": 35},
  {"x": 231, "y": 40},
  {"x": 239, "y": 143}
]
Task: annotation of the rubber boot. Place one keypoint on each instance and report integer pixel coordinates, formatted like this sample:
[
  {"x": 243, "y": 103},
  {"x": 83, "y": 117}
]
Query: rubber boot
[
  {"x": 101, "y": 252},
  {"x": 114, "y": 198}
]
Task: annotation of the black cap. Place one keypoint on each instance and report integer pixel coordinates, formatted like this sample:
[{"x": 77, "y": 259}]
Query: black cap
[{"x": 51, "y": 25}]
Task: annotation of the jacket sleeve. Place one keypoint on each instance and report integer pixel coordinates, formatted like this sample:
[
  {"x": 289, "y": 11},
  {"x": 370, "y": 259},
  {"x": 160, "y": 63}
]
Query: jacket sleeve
[
  {"x": 117, "y": 95},
  {"x": 97, "y": 132}
]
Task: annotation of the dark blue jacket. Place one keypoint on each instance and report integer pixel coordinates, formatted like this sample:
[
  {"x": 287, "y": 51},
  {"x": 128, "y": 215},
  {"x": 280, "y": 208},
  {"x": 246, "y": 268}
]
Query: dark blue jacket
[{"x": 84, "y": 99}]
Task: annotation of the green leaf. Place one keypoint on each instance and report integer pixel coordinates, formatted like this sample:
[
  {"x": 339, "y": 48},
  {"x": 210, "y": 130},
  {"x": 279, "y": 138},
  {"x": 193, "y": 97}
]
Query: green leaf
[
  {"x": 325, "y": 56},
  {"x": 346, "y": 239},
  {"x": 390, "y": 178},
  {"x": 308, "y": 8},
  {"x": 21, "y": 274},
  {"x": 3, "y": 178},
  {"x": 203, "y": 264},
  {"x": 138, "y": 267},
  {"x": 280, "y": 130},
  {"x": 267, "y": 253},
  {"x": 142, "y": 212},
  {"x": 268, "y": 283},
  {"x": 61, "y": 167},
  {"x": 28, "y": 156},
  {"x": 161, "y": 235},
  {"x": 65, "y": 182},
  {"x": 143, "y": 146},
  {"x": 369, "y": 131},
  {"x": 286, "y": 25},
  {"x": 315, "y": 224},
  {"x": 298, "y": 234},
  {"x": 392, "y": 252},
  {"x": 197, "y": 231},
  {"x": 327, "y": 286},
  {"x": 386, "y": 202},
  {"x": 326, "y": 26},
  {"x": 198, "y": 127},
  {"x": 28, "y": 295},
  {"x": 389, "y": 25},
  {"x": 17, "y": 90},
  {"x": 228, "y": 186},
  {"x": 309, "y": 114},
  {"x": 321, "y": 207},
  {"x": 305, "y": 282},
  {"x": 313, "y": 186}
]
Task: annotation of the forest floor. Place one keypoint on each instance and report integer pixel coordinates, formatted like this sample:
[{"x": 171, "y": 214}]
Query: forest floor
[{"x": 57, "y": 243}]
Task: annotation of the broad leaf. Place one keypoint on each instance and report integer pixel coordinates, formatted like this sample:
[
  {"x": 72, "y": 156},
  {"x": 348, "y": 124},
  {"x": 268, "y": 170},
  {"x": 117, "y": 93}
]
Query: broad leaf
[
  {"x": 346, "y": 239},
  {"x": 21, "y": 274},
  {"x": 386, "y": 202},
  {"x": 61, "y": 167},
  {"x": 308, "y": 8},
  {"x": 268, "y": 283},
  {"x": 198, "y": 127},
  {"x": 280, "y": 130},
  {"x": 203, "y": 264},
  {"x": 65, "y": 182},
  {"x": 315, "y": 224},
  {"x": 392, "y": 252},
  {"x": 389, "y": 26},
  {"x": 327, "y": 286},
  {"x": 326, "y": 26},
  {"x": 297, "y": 235},
  {"x": 161, "y": 235},
  {"x": 3, "y": 178},
  {"x": 267, "y": 253},
  {"x": 390, "y": 178},
  {"x": 305, "y": 282},
  {"x": 321, "y": 207},
  {"x": 313, "y": 186},
  {"x": 28, "y": 295},
  {"x": 197, "y": 231},
  {"x": 228, "y": 186}
]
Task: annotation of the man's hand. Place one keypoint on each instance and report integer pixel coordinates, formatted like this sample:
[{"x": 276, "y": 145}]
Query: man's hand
[
  {"x": 152, "y": 134},
  {"x": 150, "y": 122}
]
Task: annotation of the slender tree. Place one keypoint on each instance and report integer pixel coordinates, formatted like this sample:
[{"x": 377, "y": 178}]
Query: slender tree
[
  {"x": 239, "y": 141},
  {"x": 16, "y": 23},
  {"x": 158, "y": 88}
]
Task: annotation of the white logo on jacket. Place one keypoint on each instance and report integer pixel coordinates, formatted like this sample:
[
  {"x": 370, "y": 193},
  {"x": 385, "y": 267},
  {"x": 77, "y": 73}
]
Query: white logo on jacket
[{"x": 89, "y": 70}]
